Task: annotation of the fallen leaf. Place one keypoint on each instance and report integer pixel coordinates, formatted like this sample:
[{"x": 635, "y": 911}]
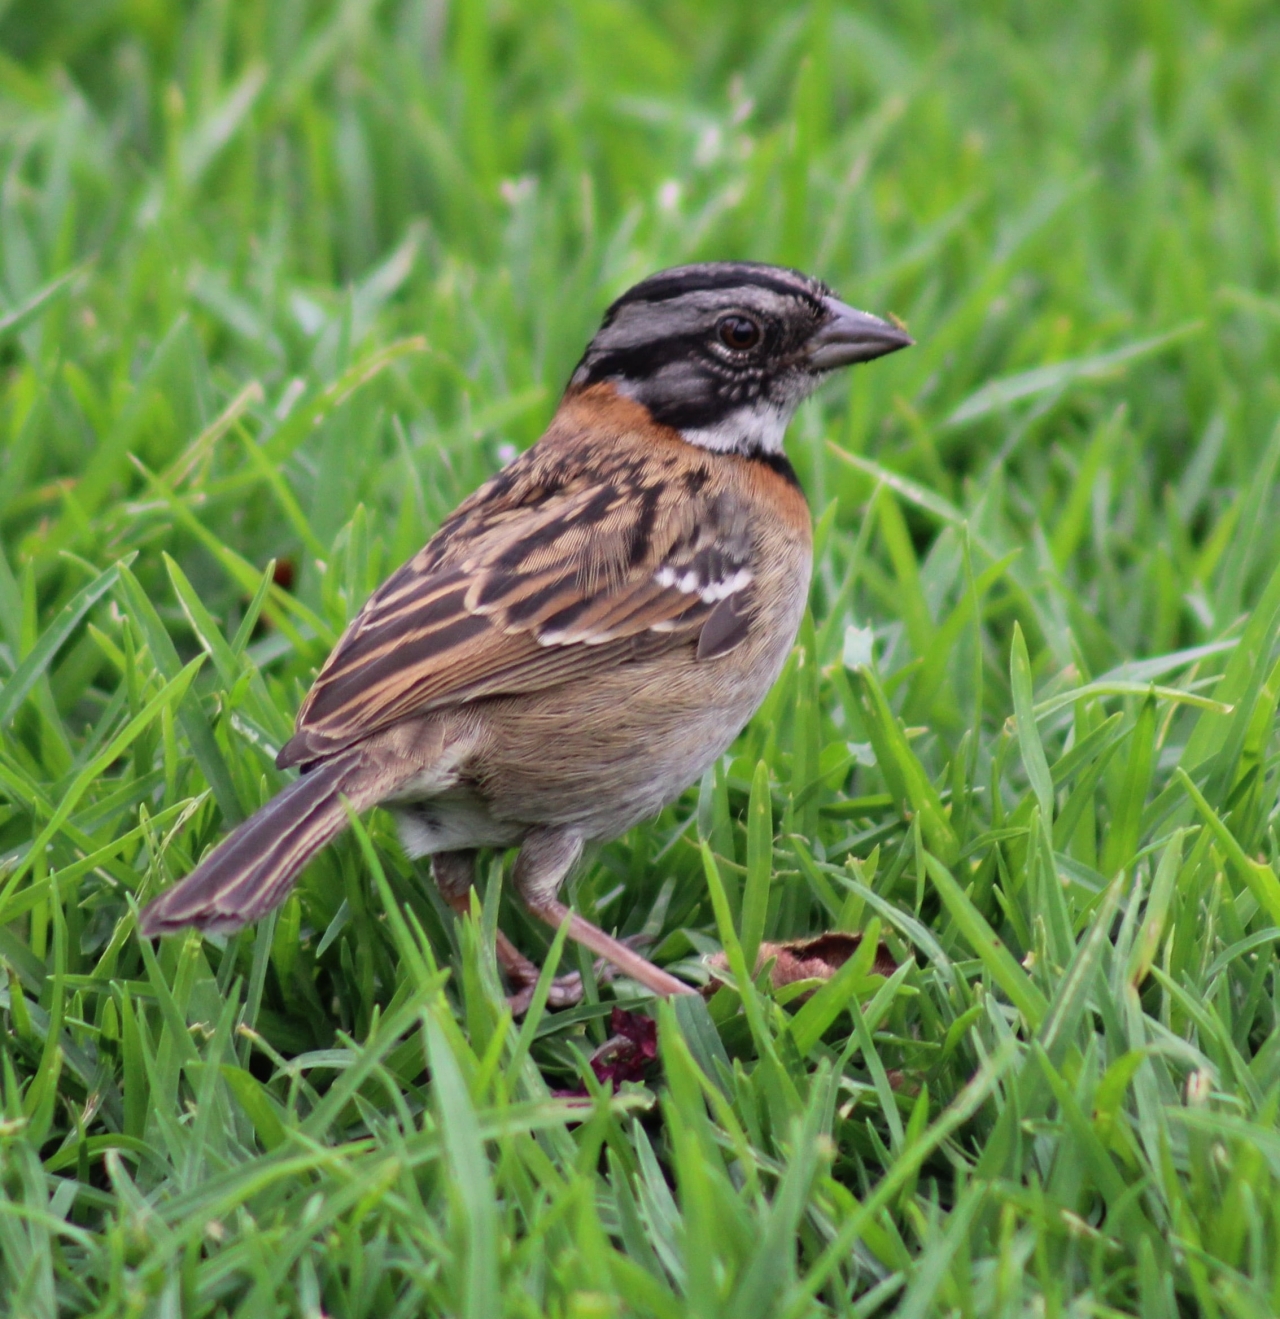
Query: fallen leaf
[{"x": 816, "y": 958}]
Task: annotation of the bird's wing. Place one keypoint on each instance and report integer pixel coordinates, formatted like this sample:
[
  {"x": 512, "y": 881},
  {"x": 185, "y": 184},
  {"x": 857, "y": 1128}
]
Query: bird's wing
[{"x": 537, "y": 580}]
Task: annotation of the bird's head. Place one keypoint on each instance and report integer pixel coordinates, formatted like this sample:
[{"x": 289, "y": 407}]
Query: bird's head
[{"x": 725, "y": 351}]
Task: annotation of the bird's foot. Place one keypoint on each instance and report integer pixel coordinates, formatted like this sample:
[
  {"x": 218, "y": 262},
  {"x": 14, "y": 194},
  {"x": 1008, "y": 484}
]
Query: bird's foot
[{"x": 566, "y": 991}]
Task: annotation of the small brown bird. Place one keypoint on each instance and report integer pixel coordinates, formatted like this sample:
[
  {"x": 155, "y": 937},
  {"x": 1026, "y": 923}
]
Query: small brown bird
[{"x": 588, "y": 631}]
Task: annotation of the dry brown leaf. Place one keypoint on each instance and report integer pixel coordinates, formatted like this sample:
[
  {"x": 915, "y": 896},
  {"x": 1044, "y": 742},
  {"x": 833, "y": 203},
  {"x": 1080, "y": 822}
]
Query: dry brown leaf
[{"x": 816, "y": 958}]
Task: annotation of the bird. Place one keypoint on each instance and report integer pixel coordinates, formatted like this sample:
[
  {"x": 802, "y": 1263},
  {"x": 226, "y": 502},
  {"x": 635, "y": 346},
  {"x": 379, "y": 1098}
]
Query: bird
[{"x": 587, "y": 632}]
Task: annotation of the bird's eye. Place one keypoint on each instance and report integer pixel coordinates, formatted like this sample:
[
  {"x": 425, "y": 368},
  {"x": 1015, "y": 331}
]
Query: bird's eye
[{"x": 738, "y": 332}]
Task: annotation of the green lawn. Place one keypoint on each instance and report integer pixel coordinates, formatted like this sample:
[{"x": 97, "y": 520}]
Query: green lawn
[{"x": 280, "y": 282}]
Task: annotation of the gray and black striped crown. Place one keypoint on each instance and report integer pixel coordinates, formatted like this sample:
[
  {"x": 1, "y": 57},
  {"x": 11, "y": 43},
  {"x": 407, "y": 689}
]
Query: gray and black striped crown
[{"x": 718, "y": 276}]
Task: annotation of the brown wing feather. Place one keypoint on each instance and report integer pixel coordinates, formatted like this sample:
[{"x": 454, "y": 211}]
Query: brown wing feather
[{"x": 535, "y": 581}]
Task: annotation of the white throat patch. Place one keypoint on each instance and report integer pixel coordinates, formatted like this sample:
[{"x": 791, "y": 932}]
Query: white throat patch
[{"x": 754, "y": 428}]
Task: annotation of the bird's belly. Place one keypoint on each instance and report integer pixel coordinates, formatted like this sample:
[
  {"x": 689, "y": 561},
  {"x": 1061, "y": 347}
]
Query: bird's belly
[
  {"x": 609, "y": 752},
  {"x": 599, "y": 756},
  {"x": 601, "y": 777}
]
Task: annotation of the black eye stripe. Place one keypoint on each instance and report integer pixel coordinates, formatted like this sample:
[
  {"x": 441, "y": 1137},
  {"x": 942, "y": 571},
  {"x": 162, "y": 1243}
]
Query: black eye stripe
[{"x": 639, "y": 361}]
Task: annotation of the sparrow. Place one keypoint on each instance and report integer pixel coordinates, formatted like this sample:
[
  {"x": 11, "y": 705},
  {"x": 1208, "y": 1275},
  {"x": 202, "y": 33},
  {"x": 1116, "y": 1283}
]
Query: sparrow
[{"x": 588, "y": 631}]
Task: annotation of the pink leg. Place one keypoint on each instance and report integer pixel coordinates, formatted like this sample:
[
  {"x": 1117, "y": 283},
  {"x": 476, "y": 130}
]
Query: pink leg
[{"x": 545, "y": 859}]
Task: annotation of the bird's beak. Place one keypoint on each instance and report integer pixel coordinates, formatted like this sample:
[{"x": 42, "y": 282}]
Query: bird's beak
[{"x": 848, "y": 336}]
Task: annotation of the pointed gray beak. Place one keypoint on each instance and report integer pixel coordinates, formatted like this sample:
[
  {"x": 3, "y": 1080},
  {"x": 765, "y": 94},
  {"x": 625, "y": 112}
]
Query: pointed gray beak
[{"x": 849, "y": 336}]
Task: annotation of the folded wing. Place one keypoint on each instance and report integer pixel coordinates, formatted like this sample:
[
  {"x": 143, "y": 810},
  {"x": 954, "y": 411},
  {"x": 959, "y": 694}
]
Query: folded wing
[{"x": 532, "y": 584}]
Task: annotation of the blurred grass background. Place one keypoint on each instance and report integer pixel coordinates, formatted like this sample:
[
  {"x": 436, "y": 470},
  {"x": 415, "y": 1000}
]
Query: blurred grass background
[{"x": 280, "y": 282}]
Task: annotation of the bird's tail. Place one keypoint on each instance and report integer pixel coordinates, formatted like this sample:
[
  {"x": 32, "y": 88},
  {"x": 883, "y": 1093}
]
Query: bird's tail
[{"x": 253, "y": 870}]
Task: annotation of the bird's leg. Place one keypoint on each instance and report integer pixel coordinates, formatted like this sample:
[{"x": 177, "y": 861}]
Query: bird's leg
[
  {"x": 454, "y": 874},
  {"x": 546, "y": 857}
]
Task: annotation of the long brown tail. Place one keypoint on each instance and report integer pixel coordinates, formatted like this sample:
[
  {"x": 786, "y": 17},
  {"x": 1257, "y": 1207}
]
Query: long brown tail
[{"x": 253, "y": 870}]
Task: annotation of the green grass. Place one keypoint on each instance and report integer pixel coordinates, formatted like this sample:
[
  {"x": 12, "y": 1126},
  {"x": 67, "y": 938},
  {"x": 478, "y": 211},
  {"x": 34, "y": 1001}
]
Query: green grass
[{"x": 280, "y": 282}]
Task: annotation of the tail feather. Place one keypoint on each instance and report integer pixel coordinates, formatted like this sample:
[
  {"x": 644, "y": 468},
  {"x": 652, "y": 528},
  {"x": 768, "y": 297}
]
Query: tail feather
[{"x": 253, "y": 869}]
